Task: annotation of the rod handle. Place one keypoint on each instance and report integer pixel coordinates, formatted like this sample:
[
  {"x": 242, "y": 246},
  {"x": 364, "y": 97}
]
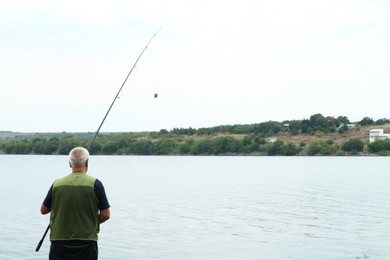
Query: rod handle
[
  {"x": 39, "y": 245},
  {"x": 43, "y": 238}
]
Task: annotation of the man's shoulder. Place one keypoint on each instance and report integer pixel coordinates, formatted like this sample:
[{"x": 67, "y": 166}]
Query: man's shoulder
[
  {"x": 98, "y": 184},
  {"x": 75, "y": 178},
  {"x": 61, "y": 179}
]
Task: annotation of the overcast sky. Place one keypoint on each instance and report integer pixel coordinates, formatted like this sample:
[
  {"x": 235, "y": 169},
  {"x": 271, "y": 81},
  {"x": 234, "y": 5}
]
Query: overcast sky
[{"x": 213, "y": 62}]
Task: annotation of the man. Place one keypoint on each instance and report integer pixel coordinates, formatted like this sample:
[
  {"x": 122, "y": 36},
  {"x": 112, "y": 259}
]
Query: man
[{"x": 78, "y": 204}]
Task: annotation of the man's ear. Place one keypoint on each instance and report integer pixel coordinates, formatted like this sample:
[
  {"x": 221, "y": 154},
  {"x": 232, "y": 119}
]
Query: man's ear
[
  {"x": 86, "y": 163},
  {"x": 70, "y": 165}
]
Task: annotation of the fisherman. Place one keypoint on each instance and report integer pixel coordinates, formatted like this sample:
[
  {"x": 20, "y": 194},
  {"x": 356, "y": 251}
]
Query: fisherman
[{"x": 78, "y": 204}]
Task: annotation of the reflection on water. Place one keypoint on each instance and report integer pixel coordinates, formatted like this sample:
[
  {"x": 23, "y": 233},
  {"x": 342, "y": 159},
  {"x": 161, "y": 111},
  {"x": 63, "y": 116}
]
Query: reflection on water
[{"x": 213, "y": 207}]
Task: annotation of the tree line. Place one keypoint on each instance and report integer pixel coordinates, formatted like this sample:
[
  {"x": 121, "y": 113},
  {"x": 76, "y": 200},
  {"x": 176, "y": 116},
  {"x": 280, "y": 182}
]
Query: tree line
[{"x": 219, "y": 140}]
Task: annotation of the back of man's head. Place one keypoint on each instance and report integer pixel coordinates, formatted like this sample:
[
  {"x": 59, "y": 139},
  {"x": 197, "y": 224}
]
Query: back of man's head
[{"x": 78, "y": 157}]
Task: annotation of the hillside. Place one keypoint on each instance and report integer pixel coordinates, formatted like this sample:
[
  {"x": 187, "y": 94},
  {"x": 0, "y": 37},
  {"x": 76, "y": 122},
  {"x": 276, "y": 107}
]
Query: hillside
[
  {"x": 222, "y": 140},
  {"x": 359, "y": 132}
]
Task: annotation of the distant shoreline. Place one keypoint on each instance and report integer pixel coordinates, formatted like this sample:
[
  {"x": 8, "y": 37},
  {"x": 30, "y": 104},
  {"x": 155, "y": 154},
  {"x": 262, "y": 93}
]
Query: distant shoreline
[{"x": 203, "y": 142}]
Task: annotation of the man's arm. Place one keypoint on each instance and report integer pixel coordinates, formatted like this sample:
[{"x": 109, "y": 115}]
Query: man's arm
[
  {"x": 104, "y": 215},
  {"x": 46, "y": 205},
  {"x": 44, "y": 209},
  {"x": 104, "y": 206}
]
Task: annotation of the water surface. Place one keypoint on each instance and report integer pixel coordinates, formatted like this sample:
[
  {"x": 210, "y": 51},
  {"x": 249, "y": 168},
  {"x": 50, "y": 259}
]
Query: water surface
[{"x": 213, "y": 207}]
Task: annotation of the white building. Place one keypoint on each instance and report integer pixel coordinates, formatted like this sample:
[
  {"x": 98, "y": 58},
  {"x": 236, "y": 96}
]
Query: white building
[
  {"x": 377, "y": 134},
  {"x": 349, "y": 126},
  {"x": 271, "y": 139}
]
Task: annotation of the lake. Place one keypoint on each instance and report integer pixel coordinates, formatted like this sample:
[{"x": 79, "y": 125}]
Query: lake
[{"x": 172, "y": 207}]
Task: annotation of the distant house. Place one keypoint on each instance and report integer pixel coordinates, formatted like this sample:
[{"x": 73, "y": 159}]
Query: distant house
[
  {"x": 271, "y": 139},
  {"x": 377, "y": 134},
  {"x": 349, "y": 126}
]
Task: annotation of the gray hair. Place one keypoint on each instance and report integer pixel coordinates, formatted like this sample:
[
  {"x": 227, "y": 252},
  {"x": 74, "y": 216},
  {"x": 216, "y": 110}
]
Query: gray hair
[{"x": 78, "y": 157}]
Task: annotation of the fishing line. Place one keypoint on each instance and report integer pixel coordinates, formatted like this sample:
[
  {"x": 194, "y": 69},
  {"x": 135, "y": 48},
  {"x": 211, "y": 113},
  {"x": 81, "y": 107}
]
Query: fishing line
[{"x": 104, "y": 118}]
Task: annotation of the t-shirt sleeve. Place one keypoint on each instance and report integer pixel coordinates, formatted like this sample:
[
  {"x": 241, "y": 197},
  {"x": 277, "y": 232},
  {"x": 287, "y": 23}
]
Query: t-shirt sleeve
[
  {"x": 48, "y": 199},
  {"x": 101, "y": 195}
]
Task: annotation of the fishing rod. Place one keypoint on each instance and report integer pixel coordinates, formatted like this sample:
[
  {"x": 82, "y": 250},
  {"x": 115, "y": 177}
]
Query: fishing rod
[
  {"x": 104, "y": 118},
  {"x": 117, "y": 94}
]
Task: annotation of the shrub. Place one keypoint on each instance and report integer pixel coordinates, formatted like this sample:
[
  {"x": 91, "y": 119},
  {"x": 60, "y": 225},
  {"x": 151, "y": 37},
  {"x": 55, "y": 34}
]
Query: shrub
[
  {"x": 353, "y": 145},
  {"x": 379, "y": 145}
]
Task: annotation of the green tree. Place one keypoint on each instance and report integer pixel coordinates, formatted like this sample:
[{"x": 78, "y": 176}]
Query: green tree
[
  {"x": 163, "y": 132},
  {"x": 51, "y": 146},
  {"x": 23, "y": 147},
  {"x": 96, "y": 148},
  {"x": 276, "y": 148},
  {"x": 67, "y": 143},
  {"x": 38, "y": 146},
  {"x": 9, "y": 147},
  {"x": 165, "y": 147},
  {"x": 321, "y": 147},
  {"x": 326, "y": 149},
  {"x": 342, "y": 120},
  {"x": 223, "y": 145},
  {"x": 143, "y": 147},
  {"x": 295, "y": 126},
  {"x": 201, "y": 147},
  {"x": 110, "y": 147},
  {"x": 379, "y": 145},
  {"x": 314, "y": 148},
  {"x": 366, "y": 121},
  {"x": 270, "y": 127},
  {"x": 343, "y": 128},
  {"x": 291, "y": 149},
  {"x": 318, "y": 121},
  {"x": 305, "y": 126},
  {"x": 185, "y": 147},
  {"x": 248, "y": 144},
  {"x": 353, "y": 145},
  {"x": 382, "y": 121}
]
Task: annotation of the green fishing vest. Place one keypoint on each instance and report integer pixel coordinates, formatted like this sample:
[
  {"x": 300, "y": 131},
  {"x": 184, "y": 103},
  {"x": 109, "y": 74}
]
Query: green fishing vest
[{"x": 75, "y": 214}]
